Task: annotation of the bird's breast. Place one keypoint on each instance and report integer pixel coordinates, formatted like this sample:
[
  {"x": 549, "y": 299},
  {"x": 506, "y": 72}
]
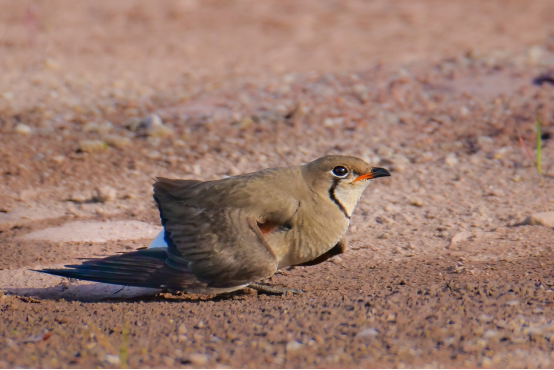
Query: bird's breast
[{"x": 310, "y": 234}]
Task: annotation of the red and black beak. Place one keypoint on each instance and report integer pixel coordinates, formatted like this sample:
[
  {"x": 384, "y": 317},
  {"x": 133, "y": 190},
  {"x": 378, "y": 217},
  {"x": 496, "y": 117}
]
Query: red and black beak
[{"x": 375, "y": 173}]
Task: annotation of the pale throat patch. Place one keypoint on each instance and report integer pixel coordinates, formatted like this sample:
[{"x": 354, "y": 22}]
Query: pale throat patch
[{"x": 349, "y": 194}]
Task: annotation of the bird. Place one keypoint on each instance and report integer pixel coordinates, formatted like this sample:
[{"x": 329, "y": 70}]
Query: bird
[{"x": 223, "y": 235}]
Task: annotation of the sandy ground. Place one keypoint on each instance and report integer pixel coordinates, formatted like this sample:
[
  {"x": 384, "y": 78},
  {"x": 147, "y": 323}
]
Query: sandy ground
[{"x": 442, "y": 270}]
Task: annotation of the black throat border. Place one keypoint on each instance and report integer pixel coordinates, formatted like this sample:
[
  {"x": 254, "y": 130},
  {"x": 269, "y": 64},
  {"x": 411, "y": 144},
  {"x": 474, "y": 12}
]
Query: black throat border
[{"x": 335, "y": 200}]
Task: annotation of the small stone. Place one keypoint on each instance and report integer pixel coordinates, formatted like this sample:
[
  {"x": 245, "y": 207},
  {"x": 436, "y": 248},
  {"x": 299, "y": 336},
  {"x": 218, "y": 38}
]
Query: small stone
[
  {"x": 535, "y": 54},
  {"x": 200, "y": 325},
  {"x": 485, "y": 142},
  {"x": 495, "y": 192},
  {"x": 392, "y": 209},
  {"x": 90, "y": 127},
  {"x": 23, "y": 129},
  {"x": 61, "y": 319},
  {"x": 112, "y": 360},
  {"x": 367, "y": 333},
  {"x": 490, "y": 334},
  {"x": 156, "y": 128},
  {"x": 153, "y": 154},
  {"x": 451, "y": 160},
  {"x": 80, "y": 196},
  {"x": 106, "y": 194},
  {"x": 117, "y": 141},
  {"x": 92, "y": 146},
  {"x": 416, "y": 202},
  {"x": 459, "y": 237},
  {"x": 58, "y": 158},
  {"x": 182, "y": 329},
  {"x": 293, "y": 346},
  {"x": 198, "y": 359},
  {"x": 543, "y": 219},
  {"x": 399, "y": 163}
]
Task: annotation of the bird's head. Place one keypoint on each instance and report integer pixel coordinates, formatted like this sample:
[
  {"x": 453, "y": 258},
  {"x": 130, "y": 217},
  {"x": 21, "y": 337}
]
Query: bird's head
[{"x": 341, "y": 178}]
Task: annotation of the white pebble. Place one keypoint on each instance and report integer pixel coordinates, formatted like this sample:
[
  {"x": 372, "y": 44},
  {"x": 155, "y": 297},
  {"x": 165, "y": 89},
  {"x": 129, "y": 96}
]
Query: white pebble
[{"x": 23, "y": 129}]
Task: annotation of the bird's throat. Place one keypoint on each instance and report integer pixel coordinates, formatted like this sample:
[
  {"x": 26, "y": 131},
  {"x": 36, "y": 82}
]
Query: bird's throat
[{"x": 346, "y": 196}]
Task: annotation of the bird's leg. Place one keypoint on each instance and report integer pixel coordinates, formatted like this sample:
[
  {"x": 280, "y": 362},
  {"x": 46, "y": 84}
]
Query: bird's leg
[{"x": 269, "y": 289}]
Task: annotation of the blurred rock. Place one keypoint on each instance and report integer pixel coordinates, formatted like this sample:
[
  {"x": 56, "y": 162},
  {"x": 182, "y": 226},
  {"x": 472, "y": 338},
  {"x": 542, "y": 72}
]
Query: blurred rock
[
  {"x": 397, "y": 162},
  {"x": 23, "y": 129},
  {"x": 112, "y": 360},
  {"x": 460, "y": 237},
  {"x": 155, "y": 127},
  {"x": 543, "y": 218},
  {"x": 367, "y": 333},
  {"x": 106, "y": 194},
  {"x": 81, "y": 196},
  {"x": 92, "y": 146},
  {"x": 117, "y": 141},
  {"x": 293, "y": 346},
  {"x": 451, "y": 159},
  {"x": 198, "y": 359},
  {"x": 182, "y": 329},
  {"x": 417, "y": 202}
]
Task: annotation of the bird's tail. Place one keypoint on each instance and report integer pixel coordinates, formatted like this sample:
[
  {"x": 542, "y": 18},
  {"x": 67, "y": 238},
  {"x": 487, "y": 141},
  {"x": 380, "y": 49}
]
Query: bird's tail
[{"x": 142, "y": 268}]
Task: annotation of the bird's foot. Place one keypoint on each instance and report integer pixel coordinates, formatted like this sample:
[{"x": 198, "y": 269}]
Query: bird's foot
[{"x": 269, "y": 289}]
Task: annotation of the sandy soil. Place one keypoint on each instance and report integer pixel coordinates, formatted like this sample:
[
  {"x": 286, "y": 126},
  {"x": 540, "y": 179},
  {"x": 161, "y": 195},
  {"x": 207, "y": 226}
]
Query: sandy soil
[{"x": 441, "y": 271}]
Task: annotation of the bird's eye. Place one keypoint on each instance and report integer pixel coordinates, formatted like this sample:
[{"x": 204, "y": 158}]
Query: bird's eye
[{"x": 340, "y": 171}]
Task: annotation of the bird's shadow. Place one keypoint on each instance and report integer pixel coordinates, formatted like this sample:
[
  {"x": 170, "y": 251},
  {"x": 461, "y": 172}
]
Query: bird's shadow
[{"x": 99, "y": 292}]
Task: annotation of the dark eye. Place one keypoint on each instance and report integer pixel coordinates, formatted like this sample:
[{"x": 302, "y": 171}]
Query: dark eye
[{"x": 340, "y": 171}]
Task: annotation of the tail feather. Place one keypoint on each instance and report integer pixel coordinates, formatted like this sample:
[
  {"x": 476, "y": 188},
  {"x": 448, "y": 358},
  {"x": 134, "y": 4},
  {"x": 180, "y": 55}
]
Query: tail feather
[{"x": 142, "y": 268}]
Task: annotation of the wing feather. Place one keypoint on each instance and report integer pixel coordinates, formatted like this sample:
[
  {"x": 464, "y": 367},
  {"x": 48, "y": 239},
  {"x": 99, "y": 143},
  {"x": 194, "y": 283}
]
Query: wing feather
[{"x": 209, "y": 235}]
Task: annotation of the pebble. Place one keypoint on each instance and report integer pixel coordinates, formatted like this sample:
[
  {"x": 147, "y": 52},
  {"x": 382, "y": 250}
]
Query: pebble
[
  {"x": 106, "y": 194},
  {"x": 117, "y": 141},
  {"x": 92, "y": 146},
  {"x": 58, "y": 158},
  {"x": 198, "y": 359},
  {"x": 293, "y": 346},
  {"x": 367, "y": 333},
  {"x": 399, "y": 163},
  {"x": 417, "y": 202},
  {"x": 153, "y": 154},
  {"x": 182, "y": 329},
  {"x": 451, "y": 160},
  {"x": 112, "y": 360},
  {"x": 155, "y": 127},
  {"x": 23, "y": 129},
  {"x": 543, "y": 219},
  {"x": 459, "y": 237},
  {"x": 495, "y": 192}
]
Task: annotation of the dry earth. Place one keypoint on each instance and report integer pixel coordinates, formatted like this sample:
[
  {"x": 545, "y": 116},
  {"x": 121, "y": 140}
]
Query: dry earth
[{"x": 441, "y": 271}]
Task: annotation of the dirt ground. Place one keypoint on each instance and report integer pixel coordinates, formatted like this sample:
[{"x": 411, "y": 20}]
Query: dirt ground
[{"x": 442, "y": 269}]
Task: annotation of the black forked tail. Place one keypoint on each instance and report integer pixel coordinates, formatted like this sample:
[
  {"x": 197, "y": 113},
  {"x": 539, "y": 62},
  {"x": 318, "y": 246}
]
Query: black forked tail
[{"x": 142, "y": 268}]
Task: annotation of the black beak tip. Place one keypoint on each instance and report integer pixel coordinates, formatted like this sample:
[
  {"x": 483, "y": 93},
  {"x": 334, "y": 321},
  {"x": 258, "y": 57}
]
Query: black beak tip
[{"x": 379, "y": 172}]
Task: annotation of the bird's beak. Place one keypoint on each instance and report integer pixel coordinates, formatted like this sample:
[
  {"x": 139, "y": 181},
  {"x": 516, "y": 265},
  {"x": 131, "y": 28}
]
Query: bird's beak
[{"x": 375, "y": 173}]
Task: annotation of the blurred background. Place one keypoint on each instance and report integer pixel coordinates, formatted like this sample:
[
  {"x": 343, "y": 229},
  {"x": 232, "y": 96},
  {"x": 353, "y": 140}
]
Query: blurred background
[{"x": 144, "y": 45}]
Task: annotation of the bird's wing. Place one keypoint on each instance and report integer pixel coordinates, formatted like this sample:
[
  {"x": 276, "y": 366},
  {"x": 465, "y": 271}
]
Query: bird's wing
[{"x": 207, "y": 234}]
